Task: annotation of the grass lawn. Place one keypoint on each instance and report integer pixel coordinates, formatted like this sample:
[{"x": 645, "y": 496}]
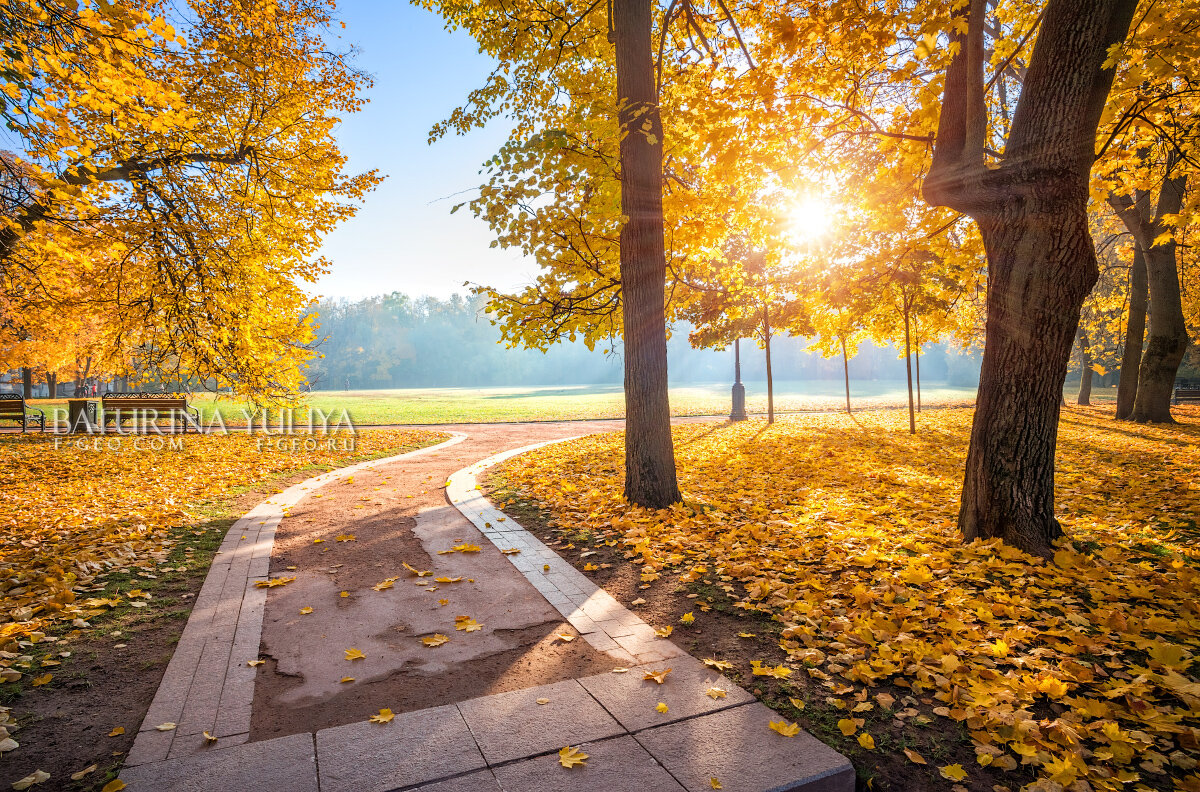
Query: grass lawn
[
  {"x": 487, "y": 405},
  {"x": 818, "y": 563}
]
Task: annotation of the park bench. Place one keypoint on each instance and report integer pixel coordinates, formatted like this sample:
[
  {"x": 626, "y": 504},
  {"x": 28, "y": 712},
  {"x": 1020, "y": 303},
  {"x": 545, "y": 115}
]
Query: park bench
[
  {"x": 1185, "y": 394},
  {"x": 149, "y": 407},
  {"x": 12, "y": 408}
]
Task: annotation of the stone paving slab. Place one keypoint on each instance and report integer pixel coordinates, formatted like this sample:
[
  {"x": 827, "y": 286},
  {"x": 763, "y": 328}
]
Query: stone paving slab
[
  {"x": 415, "y": 748},
  {"x": 631, "y": 698},
  {"x": 513, "y": 725},
  {"x": 287, "y": 763},
  {"x": 482, "y": 781},
  {"x": 620, "y": 765},
  {"x": 736, "y": 747}
]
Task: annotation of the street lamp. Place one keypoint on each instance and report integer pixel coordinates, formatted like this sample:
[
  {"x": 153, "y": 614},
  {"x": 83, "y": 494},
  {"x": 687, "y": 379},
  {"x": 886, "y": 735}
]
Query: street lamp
[{"x": 739, "y": 390}]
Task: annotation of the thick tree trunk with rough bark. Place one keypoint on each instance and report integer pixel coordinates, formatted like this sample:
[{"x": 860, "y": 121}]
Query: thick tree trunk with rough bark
[
  {"x": 1085, "y": 373},
  {"x": 649, "y": 455},
  {"x": 1135, "y": 331},
  {"x": 1031, "y": 208}
]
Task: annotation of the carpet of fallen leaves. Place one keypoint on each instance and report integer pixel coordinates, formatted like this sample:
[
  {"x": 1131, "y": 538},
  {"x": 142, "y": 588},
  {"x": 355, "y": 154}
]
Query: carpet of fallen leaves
[
  {"x": 70, "y": 514},
  {"x": 1084, "y": 669}
]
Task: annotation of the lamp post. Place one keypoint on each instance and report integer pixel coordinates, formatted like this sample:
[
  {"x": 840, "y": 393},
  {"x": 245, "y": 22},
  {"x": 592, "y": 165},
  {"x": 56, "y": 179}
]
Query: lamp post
[{"x": 739, "y": 390}]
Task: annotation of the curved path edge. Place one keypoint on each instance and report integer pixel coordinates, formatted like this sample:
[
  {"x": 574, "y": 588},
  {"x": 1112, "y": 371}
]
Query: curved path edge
[
  {"x": 603, "y": 622},
  {"x": 208, "y": 685}
]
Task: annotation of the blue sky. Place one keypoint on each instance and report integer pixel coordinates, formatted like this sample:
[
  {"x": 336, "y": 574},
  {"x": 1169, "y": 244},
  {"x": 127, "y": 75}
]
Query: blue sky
[{"x": 404, "y": 238}]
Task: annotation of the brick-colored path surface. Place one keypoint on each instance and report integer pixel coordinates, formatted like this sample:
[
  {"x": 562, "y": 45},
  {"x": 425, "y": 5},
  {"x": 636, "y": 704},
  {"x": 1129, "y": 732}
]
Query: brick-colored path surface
[{"x": 508, "y": 741}]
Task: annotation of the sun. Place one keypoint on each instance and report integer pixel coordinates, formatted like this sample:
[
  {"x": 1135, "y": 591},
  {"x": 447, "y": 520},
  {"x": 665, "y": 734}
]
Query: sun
[{"x": 809, "y": 221}]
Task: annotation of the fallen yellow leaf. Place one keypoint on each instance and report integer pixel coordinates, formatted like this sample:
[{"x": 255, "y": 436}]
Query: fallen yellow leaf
[
  {"x": 307, "y": 609},
  {"x": 354, "y": 654},
  {"x": 661, "y": 707},
  {"x": 571, "y": 757},
  {"x": 785, "y": 728},
  {"x": 79, "y": 776},
  {"x": 953, "y": 772},
  {"x": 656, "y": 676},
  {"x": 385, "y": 716},
  {"x": 437, "y": 639}
]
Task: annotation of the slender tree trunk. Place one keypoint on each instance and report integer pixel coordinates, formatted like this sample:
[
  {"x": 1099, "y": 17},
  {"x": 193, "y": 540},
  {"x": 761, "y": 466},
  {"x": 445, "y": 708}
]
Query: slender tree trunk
[
  {"x": 912, "y": 420},
  {"x": 846, "y": 371},
  {"x": 1135, "y": 331},
  {"x": 1085, "y": 373},
  {"x": 1031, "y": 209},
  {"x": 649, "y": 455},
  {"x": 770, "y": 379},
  {"x": 1168, "y": 332},
  {"x": 52, "y": 384},
  {"x": 917, "y": 360},
  {"x": 26, "y": 382}
]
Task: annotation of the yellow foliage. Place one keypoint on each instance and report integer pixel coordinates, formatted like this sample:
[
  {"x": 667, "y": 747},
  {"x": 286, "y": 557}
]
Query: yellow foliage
[{"x": 844, "y": 530}]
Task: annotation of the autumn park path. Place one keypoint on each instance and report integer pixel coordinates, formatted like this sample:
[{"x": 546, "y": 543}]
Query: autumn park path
[{"x": 418, "y": 638}]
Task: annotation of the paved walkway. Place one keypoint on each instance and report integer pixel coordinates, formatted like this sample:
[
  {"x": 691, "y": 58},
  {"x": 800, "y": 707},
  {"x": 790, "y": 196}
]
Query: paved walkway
[{"x": 507, "y": 741}]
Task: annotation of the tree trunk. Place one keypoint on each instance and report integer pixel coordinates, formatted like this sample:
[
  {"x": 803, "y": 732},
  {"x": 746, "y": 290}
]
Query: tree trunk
[
  {"x": 1031, "y": 208},
  {"x": 649, "y": 455},
  {"x": 917, "y": 360},
  {"x": 770, "y": 379},
  {"x": 1168, "y": 332},
  {"x": 846, "y": 370},
  {"x": 1135, "y": 331},
  {"x": 912, "y": 421},
  {"x": 1085, "y": 373},
  {"x": 26, "y": 382},
  {"x": 52, "y": 384}
]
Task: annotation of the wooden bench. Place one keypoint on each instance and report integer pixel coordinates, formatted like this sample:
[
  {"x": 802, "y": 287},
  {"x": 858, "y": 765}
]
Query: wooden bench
[
  {"x": 149, "y": 407},
  {"x": 13, "y": 408},
  {"x": 1185, "y": 394}
]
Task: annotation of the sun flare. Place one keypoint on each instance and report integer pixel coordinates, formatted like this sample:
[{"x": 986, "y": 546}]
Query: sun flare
[{"x": 809, "y": 221}]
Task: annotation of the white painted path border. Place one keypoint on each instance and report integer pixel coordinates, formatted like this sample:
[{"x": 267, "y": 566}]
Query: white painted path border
[
  {"x": 208, "y": 685},
  {"x": 603, "y": 622}
]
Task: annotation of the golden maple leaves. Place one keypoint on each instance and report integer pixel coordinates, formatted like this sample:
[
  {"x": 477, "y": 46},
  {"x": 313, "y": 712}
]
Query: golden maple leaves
[{"x": 843, "y": 531}]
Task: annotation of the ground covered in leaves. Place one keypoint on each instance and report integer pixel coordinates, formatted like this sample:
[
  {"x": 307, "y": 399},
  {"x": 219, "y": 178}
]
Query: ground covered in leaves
[
  {"x": 91, "y": 531},
  {"x": 834, "y": 538}
]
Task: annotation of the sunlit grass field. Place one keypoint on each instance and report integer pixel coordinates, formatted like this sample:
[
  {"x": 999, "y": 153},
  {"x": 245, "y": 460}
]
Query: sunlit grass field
[{"x": 561, "y": 403}]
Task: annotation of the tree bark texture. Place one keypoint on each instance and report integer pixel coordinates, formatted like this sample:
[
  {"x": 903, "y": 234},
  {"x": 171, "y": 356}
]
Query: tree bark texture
[
  {"x": 1084, "y": 396},
  {"x": 1031, "y": 208},
  {"x": 1135, "y": 332},
  {"x": 26, "y": 382},
  {"x": 649, "y": 454}
]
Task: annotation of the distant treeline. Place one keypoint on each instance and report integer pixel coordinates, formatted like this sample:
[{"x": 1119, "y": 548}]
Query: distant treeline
[{"x": 397, "y": 341}]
